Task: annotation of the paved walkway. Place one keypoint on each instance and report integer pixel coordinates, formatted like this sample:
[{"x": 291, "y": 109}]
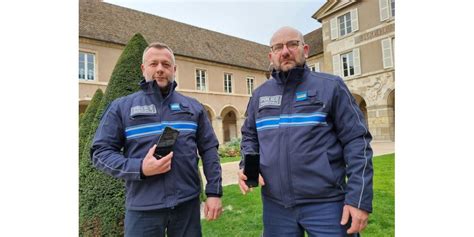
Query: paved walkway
[{"x": 229, "y": 170}]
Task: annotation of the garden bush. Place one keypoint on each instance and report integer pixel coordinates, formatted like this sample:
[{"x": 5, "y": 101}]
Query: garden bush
[
  {"x": 102, "y": 197},
  {"x": 231, "y": 148}
]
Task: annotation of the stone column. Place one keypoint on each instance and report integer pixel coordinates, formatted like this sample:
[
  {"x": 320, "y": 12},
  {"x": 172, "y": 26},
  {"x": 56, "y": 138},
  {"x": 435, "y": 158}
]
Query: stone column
[
  {"x": 240, "y": 121},
  {"x": 391, "y": 123},
  {"x": 218, "y": 129},
  {"x": 374, "y": 89},
  {"x": 381, "y": 122}
]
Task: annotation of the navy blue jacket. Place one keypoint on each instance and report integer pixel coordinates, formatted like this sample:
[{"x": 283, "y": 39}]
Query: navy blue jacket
[
  {"x": 311, "y": 135},
  {"x": 130, "y": 127}
]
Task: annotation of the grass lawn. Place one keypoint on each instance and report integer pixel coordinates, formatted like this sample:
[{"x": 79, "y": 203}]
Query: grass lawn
[
  {"x": 243, "y": 214},
  {"x": 229, "y": 159},
  {"x": 382, "y": 219},
  {"x": 225, "y": 160}
]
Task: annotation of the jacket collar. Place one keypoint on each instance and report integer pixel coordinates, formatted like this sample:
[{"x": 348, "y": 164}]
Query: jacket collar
[
  {"x": 151, "y": 87},
  {"x": 294, "y": 75}
]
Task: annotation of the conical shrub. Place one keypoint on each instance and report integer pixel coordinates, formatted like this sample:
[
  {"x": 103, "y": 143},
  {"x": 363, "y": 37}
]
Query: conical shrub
[
  {"x": 102, "y": 197},
  {"x": 87, "y": 119}
]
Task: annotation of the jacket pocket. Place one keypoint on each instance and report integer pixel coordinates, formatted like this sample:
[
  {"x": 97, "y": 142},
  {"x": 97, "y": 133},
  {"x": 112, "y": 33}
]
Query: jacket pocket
[
  {"x": 183, "y": 114},
  {"x": 142, "y": 116},
  {"x": 311, "y": 104},
  {"x": 268, "y": 111},
  {"x": 322, "y": 182},
  {"x": 313, "y": 99}
]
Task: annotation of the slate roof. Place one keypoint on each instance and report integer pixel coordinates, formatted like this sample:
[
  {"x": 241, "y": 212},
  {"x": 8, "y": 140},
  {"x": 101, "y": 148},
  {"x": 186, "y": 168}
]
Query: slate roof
[
  {"x": 110, "y": 23},
  {"x": 315, "y": 41}
]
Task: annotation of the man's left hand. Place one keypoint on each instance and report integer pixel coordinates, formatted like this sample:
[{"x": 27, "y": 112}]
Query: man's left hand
[
  {"x": 359, "y": 217},
  {"x": 212, "y": 208}
]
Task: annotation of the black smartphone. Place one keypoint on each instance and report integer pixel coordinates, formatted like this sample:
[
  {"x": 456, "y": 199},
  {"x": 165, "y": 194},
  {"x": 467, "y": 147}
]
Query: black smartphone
[
  {"x": 166, "y": 142},
  {"x": 252, "y": 169}
]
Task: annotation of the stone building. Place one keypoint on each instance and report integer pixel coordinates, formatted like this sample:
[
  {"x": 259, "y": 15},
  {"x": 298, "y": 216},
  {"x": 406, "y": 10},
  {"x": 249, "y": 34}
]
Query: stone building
[
  {"x": 221, "y": 71},
  {"x": 358, "y": 38}
]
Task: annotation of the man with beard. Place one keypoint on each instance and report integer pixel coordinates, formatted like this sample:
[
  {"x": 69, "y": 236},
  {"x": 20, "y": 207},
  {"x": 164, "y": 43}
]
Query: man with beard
[
  {"x": 315, "y": 158},
  {"x": 162, "y": 195}
]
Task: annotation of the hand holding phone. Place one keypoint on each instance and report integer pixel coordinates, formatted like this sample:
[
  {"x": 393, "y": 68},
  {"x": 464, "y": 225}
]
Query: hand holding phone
[
  {"x": 152, "y": 166},
  {"x": 252, "y": 169},
  {"x": 166, "y": 142}
]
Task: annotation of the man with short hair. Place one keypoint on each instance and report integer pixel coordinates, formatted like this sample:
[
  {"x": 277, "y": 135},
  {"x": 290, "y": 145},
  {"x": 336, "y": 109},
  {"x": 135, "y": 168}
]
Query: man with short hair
[
  {"x": 162, "y": 195},
  {"x": 315, "y": 156}
]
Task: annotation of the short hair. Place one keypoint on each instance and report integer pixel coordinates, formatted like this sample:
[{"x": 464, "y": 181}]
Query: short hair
[{"x": 158, "y": 45}]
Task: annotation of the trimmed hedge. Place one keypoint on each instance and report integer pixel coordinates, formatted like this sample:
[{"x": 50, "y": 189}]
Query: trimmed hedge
[
  {"x": 102, "y": 197},
  {"x": 87, "y": 119}
]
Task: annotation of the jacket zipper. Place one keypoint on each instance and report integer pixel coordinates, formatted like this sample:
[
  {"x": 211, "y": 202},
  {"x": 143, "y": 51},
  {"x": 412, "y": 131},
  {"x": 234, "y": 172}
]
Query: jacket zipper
[{"x": 288, "y": 163}]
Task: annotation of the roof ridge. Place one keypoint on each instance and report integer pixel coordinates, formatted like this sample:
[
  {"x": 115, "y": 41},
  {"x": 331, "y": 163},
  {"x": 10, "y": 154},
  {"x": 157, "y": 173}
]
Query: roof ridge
[{"x": 183, "y": 23}]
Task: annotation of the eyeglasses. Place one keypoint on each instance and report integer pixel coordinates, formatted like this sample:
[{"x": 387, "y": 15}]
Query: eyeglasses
[{"x": 290, "y": 45}]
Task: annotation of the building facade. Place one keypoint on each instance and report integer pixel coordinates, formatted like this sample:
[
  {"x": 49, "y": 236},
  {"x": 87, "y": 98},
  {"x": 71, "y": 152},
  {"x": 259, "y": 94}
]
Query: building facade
[
  {"x": 358, "y": 40},
  {"x": 221, "y": 71},
  {"x": 218, "y": 70}
]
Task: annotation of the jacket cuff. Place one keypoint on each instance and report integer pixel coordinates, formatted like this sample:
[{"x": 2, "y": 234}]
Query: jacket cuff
[
  {"x": 142, "y": 176},
  {"x": 363, "y": 206},
  {"x": 213, "y": 195}
]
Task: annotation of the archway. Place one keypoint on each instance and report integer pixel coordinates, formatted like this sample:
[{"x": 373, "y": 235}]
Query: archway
[
  {"x": 210, "y": 112},
  {"x": 83, "y": 105},
  {"x": 229, "y": 123},
  {"x": 362, "y": 106}
]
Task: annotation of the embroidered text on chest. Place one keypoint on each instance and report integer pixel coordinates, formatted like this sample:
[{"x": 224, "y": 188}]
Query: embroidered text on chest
[
  {"x": 143, "y": 109},
  {"x": 269, "y": 100}
]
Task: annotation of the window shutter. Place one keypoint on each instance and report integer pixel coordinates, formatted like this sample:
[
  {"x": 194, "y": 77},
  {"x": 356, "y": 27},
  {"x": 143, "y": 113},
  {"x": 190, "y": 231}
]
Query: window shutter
[
  {"x": 356, "y": 55},
  {"x": 336, "y": 67},
  {"x": 334, "y": 32},
  {"x": 316, "y": 67},
  {"x": 387, "y": 53},
  {"x": 354, "y": 20},
  {"x": 384, "y": 10}
]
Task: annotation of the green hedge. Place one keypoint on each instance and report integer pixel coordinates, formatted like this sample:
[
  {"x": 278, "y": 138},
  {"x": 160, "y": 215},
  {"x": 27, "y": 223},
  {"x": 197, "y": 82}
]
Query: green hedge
[
  {"x": 87, "y": 119},
  {"x": 102, "y": 197}
]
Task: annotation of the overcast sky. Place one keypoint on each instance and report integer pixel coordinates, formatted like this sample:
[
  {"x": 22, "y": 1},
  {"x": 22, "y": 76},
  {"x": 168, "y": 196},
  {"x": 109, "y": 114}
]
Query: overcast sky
[{"x": 251, "y": 20}]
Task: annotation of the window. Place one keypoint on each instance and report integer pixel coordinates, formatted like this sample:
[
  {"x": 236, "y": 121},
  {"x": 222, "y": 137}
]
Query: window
[
  {"x": 347, "y": 64},
  {"x": 228, "y": 83},
  {"x": 201, "y": 80},
  {"x": 315, "y": 67},
  {"x": 344, "y": 22},
  {"x": 387, "y": 9},
  {"x": 250, "y": 85},
  {"x": 86, "y": 66}
]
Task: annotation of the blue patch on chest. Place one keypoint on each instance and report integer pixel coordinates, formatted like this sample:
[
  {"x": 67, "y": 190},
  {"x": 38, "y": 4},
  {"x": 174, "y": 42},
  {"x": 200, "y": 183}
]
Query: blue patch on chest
[
  {"x": 302, "y": 95},
  {"x": 175, "y": 107}
]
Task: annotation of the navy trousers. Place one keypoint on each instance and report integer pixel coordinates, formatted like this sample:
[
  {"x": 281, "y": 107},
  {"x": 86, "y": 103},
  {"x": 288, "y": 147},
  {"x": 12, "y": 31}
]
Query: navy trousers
[
  {"x": 317, "y": 219},
  {"x": 180, "y": 221}
]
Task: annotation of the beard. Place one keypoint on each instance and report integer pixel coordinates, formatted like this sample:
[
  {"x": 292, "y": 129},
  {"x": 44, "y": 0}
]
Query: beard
[
  {"x": 288, "y": 66},
  {"x": 162, "y": 83}
]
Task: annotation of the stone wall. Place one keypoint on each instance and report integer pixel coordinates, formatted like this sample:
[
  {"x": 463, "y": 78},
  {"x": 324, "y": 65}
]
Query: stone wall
[{"x": 377, "y": 91}]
